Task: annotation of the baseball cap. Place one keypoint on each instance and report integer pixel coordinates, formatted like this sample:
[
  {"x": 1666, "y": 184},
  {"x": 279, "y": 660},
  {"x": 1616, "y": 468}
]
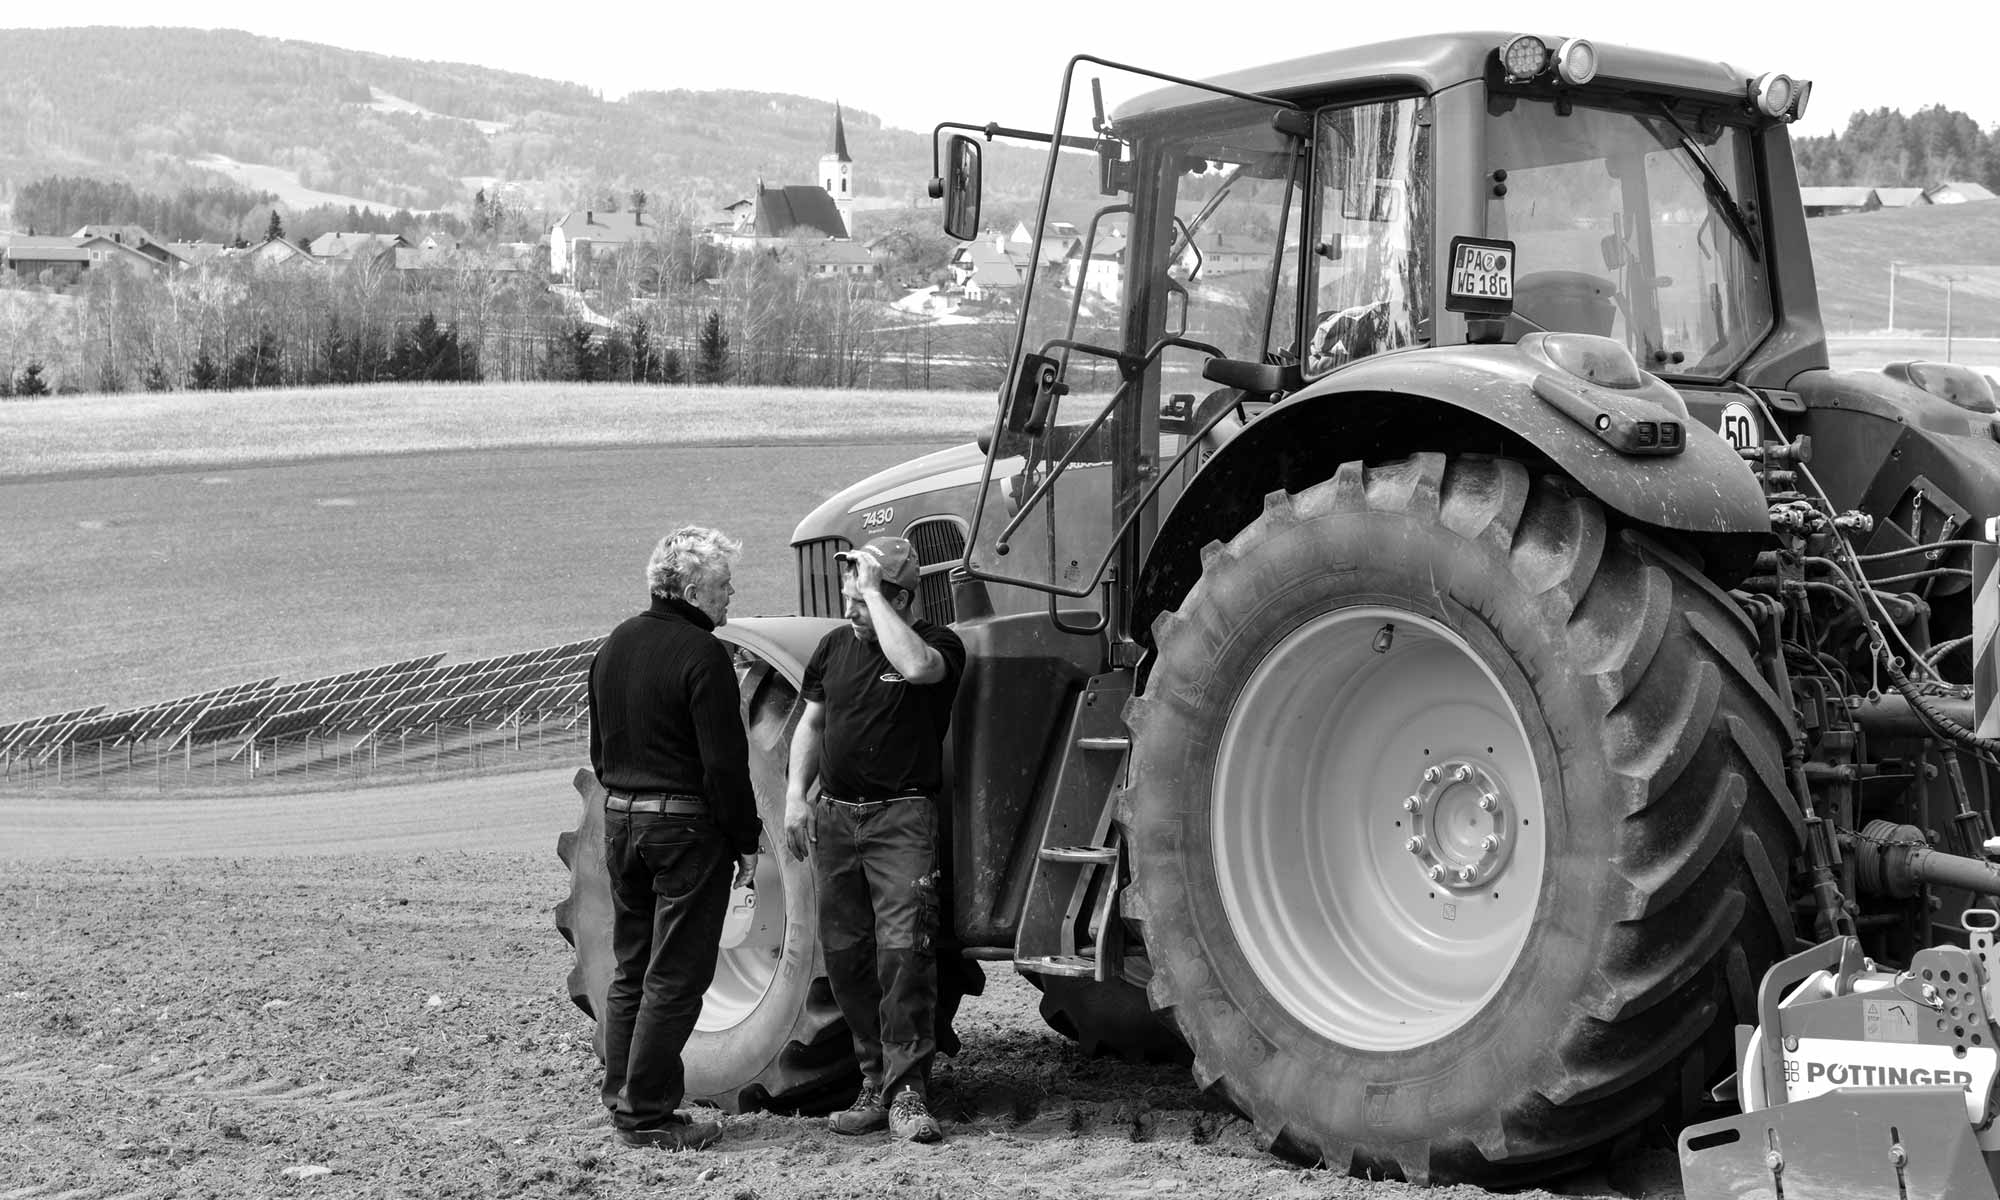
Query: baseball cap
[{"x": 898, "y": 559}]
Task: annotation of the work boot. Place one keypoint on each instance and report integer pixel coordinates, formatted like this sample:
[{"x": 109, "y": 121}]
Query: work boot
[
  {"x": 675, "y": 1135},
  {"x": 911, "y": 1120},
  {"x": 865, "y": 1115}
]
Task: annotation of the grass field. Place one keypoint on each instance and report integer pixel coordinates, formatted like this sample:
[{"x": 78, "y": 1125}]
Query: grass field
[
  {"x": 129, "y": 433},
  {"x": 1852, "y": 253},
  {"x": 131, "y": 588}
]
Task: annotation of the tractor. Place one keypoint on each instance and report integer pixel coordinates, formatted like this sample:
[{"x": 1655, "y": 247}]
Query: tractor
[{"x": 1438, "y": 630}]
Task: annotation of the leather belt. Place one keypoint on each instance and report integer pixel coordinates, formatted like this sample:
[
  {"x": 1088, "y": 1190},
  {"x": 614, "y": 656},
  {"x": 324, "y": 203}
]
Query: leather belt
[
  {"x": 873, "y": 800},
  {"x": 672, "y": 804}
]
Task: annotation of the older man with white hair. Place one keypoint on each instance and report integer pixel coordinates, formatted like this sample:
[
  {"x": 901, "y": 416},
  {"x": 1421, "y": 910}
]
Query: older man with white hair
[{"x": 667, "y": 743}]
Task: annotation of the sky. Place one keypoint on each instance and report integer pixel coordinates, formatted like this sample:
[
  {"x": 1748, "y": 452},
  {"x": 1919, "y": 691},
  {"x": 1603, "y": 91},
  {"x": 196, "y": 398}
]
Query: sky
[{"x": 916, "y": 63}]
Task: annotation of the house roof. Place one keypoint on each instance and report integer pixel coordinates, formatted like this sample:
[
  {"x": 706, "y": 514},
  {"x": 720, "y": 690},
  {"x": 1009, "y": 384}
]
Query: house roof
[
  {"x": 46, "y": 249},
  {"x": 996, "y": 275},
  {"x": 195, "y": 253},
  {"x": 783, "y": 209},
  {"x": 1901, "y": 197},
  {"x": 1836, "y": 197},
  {"x": 349, "y": 245},
  {"x": 128, "y": 235},
  {"x": 1959, "y": 190},
  {"x": 979, "y": 254},
  {"x": 276, "y": 250},
  {"x": 603, "y": 225}
]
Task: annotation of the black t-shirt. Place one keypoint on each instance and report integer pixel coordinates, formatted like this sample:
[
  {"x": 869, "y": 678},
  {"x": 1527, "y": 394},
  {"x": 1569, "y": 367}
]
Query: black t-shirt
[{"x": 884, "y": 736}]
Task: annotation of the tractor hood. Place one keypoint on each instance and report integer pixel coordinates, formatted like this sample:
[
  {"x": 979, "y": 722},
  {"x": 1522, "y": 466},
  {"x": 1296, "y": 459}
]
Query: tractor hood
[{"x": 944, "y": 483}]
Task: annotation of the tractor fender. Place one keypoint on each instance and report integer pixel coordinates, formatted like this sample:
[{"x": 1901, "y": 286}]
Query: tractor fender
[
  {"x": 787, "y": 643},
  {"x": 1458, "y": 400}
]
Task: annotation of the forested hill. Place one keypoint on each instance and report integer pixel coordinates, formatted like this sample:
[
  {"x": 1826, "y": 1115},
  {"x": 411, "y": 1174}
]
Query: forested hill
[
  {"x": 147, "y": 106},
  {"x": 150, "y": 107}
]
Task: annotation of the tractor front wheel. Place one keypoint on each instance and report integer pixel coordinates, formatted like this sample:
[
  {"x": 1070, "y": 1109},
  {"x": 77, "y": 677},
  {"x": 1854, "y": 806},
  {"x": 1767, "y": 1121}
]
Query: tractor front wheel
[{"x": 769, "y": 1035}]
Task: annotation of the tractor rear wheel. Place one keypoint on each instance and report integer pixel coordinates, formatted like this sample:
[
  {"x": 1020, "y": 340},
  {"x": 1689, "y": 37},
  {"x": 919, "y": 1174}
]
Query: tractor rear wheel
[
  {"x": 1458, "y": 823},
  {"x": 769, "y": 1035}
]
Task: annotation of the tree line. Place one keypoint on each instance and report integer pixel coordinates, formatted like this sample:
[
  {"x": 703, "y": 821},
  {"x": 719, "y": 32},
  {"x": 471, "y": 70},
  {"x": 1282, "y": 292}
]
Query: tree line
[
  {"x": 1884, "y": 148},
  {"x": 59, "y": 205}
]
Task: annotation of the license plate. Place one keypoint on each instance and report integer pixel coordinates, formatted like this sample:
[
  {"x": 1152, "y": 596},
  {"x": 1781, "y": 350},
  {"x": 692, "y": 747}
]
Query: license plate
[{"x": 1482, "y": 276}]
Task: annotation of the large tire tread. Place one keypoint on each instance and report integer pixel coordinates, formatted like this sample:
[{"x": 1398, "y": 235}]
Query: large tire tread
[{"x": 1705, "y": 826}]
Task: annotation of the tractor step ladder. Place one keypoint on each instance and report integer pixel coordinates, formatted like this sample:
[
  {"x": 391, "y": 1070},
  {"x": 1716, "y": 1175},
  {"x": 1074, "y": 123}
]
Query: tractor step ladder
[{"x": 1070, "y": 925}]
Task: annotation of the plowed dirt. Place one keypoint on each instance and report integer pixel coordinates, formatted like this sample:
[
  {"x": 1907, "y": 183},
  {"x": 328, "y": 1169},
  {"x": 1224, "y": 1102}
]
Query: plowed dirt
[{"x": 252, "y": 996}]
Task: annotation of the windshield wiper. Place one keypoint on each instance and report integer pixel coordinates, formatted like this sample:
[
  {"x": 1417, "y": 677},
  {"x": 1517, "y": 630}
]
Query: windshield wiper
[
  {"x": 1718, "y": 191},
  {"x": 1231, "y": 174}
]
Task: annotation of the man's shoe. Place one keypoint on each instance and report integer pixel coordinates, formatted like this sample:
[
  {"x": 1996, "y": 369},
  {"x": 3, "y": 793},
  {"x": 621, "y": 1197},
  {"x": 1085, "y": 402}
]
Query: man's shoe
[
  {"x": 911, "y": 1121},
  {"x": 865, "y": 1115},
  {"x": 681, "y": 1135}
]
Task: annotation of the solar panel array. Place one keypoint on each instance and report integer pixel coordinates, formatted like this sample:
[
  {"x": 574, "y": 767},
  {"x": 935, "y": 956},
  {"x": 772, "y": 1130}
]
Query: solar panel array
[{"x": 366, "y": 708}]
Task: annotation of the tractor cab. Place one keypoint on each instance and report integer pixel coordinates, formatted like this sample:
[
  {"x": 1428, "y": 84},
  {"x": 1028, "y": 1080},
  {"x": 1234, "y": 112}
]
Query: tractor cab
[{"x": 1203, "y": 252}]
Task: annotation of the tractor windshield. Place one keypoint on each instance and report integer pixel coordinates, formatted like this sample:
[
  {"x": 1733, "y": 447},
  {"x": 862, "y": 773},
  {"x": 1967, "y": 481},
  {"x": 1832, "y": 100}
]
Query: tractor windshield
[
  {"x": 1619, "y": 230},
  {"x": 1168, "y": 232}
]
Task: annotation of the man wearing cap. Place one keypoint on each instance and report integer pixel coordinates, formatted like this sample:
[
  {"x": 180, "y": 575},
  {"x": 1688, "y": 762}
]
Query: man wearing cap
[
  {"x": 878, "y": 700},
  {"x": 680, "y": 817}
]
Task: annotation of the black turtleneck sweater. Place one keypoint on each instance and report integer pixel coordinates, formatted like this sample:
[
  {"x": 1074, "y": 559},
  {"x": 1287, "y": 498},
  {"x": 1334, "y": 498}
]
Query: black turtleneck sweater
[{"x": 664, "y": 716}]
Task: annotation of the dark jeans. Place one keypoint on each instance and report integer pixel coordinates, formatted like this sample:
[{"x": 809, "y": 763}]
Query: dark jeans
[
  {"x": 669, "y": 891},
  {"x": 878, "y": 928}
]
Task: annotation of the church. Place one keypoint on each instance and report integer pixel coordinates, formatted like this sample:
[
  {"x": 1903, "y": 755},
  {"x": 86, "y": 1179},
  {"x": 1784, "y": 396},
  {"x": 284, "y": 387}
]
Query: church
[{"x": 773, "y": 215}]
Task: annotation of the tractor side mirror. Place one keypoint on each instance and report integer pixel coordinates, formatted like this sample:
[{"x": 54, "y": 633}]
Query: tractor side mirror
[
  {"x": 1036, "y": 386},
  {"x": 960, "y": 187}
]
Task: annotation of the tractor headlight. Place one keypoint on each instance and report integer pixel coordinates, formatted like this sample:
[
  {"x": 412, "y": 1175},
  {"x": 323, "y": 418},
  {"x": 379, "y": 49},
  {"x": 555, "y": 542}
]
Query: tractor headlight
[
  {"x": 1576, "y": 62},
  {"x": 1523, "y": 57},
  {"x": 1774, "y": 93}
]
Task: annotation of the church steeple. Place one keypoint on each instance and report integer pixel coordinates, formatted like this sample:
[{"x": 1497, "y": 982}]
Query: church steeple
[
  {"x": 839, "y": 136},
  {"x": 836, "y": 173}
]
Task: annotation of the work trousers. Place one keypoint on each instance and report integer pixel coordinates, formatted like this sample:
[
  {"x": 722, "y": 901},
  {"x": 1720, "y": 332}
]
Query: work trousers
[
  {"x": 878, "y": 927},
  {"x": 669, "y": 892}
]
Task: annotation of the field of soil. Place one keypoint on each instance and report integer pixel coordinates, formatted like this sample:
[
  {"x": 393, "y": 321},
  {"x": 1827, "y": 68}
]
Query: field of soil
[{"x": 360, "y": 995}]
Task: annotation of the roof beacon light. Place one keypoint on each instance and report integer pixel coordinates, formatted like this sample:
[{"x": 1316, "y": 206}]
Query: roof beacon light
[
  {"x": 1774, "y": 92},
  {"x": 1523, "y": 57},
  {"x": 1576, "y": 62}
]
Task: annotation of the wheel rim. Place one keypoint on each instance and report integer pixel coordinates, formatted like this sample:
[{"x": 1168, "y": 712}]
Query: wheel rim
[
  {"x": 744, "y": 970},
  {"x": 1378, "y": 830}
]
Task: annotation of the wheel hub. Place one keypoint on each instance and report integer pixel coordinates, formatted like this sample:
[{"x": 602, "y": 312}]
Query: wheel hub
[
  {"x": 1462, "y": 827},
  {"x": 1378, "y": 825}
]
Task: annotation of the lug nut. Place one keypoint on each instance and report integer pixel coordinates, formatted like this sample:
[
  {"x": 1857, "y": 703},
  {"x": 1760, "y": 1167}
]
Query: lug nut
[
  {"x": 1436, "y": 873},
  {"x": 1465, "y": 874},
  {"x": 1462, "y": 774},
  {"x": 1489, "y": 843},
  {"x": 1411, "y": 803},
  {"x": 1431, "y": 774},
  {"x": 1488, "y": 802},
  {"x": 1415, "y": 845}
]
